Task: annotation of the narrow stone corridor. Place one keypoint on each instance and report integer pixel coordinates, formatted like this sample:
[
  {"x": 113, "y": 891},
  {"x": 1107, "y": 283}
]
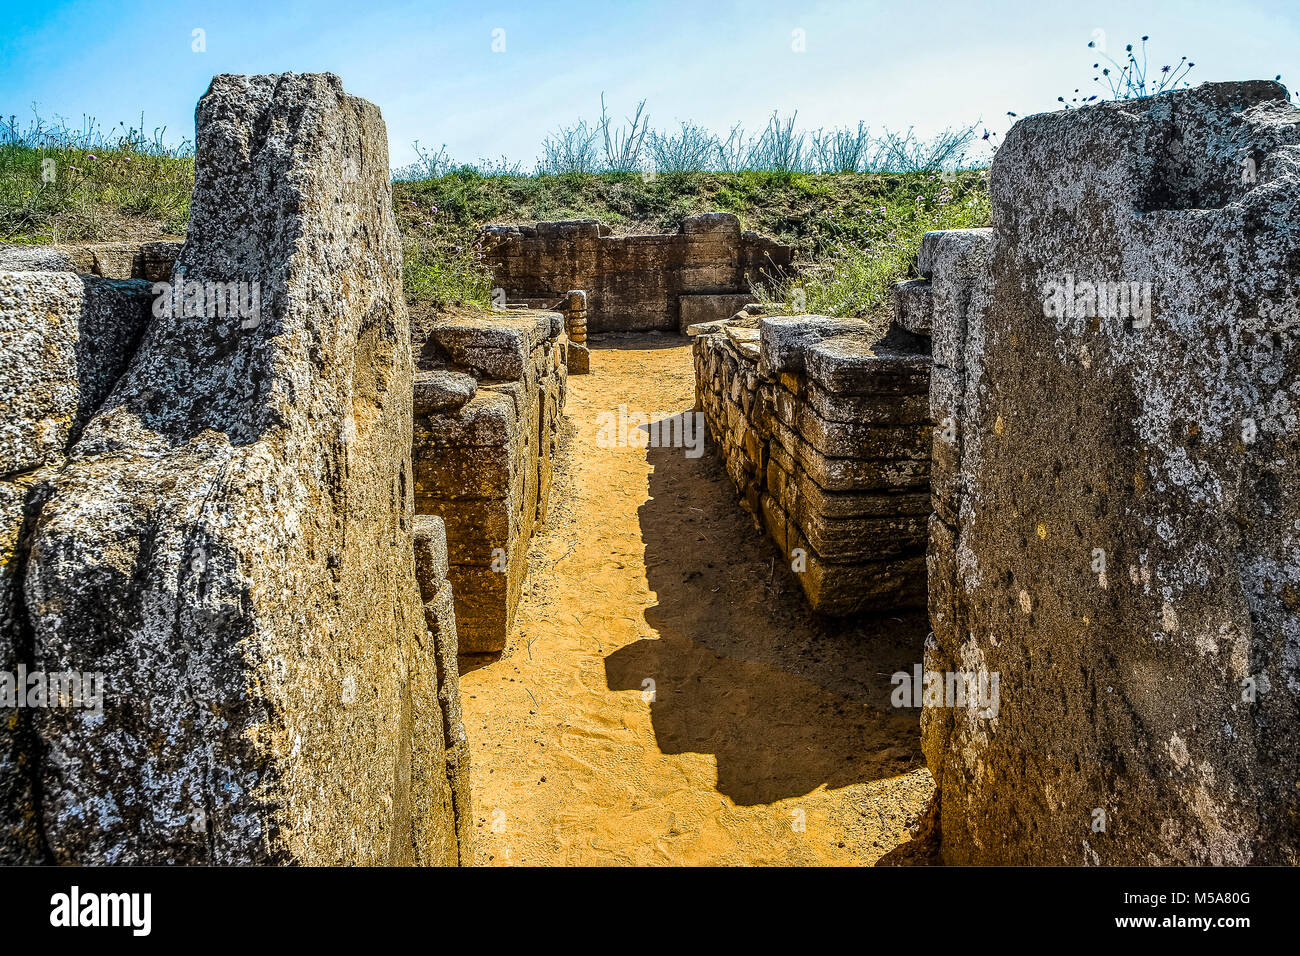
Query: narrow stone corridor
[{"x": 665, "y": 696}]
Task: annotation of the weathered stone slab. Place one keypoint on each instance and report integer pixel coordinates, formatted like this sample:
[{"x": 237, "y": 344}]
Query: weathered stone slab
[
  {"x": 862, "y": 538},
  {"x": 477, "y": 528},
  {"x": 1125, "y": 554},
  {"x": 913, "y": 305},
  {"x": 442, "y": 390},
  {"x": 850, "y": 365},
  {"x": 718, "y": 307},
  {"x": 883, "y": 409},
  {"x": 578, "y": 359},
  {"x": 230, "y": 542},
  {"x": 926, "y": 254},
  {"x": 841, "y": 589},
  {"x": 786, "y": 338},
  {"x": 65, "y": 340},
  {"x": 960, "y": 288},
  {"x": 489, "y": 418},
  {"x": 494, "y": 346},
  {"x": 451, "y": 472},
  {"x": 834, "y": 504},
  {"x": 152, "y": 261}
]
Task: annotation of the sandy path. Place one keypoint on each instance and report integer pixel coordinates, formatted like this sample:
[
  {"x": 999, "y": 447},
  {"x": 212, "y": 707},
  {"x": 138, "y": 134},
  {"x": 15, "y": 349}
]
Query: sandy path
[{"x": 762, "y": 717}]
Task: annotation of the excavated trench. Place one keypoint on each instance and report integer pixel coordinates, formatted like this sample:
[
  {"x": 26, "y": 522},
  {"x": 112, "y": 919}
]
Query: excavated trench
[
  {"x": 663, "y": 692},
  {"x": 665, "y": 695}
]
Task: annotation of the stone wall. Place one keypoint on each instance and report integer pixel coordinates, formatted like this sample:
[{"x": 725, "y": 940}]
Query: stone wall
[
  {"x": 824, "y": 428},
  {"x": 489, "y": 396},
  {"x": 215, "y": 513},
  {"x": 1118, "y": 496},
  {"x": 110, "y": 260},
  {"x": 636, "y": 283}
]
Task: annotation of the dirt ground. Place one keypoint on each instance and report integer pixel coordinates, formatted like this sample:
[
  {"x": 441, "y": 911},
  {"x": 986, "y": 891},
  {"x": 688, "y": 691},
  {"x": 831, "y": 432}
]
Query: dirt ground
[{"x": 665, "y": 696}]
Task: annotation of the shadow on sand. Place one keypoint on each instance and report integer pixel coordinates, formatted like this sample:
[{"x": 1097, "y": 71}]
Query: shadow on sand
[{"x": 787, "y": 701}]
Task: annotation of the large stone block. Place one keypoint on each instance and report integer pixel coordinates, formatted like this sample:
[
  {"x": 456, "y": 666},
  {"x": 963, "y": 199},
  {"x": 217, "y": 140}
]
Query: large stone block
[
  {"x": 718, "y": 307},
  {"x": 958, "y": 291},
  {"x": 785, "y": 339},
  {"x": 853, "y": 365},
  {"x": 863, "y": 441},
  {"x": 913, "y": 305},
  {"x": 230, "y": 542},
  {"x": 442, "y": 391},
  {"x": 1125, "y": 556},
  {"x": 65, "y": 340},
  {"x": 494, "y": 346},
  {"x": 490, "y": 418},
  {"x": 860, "y": 538},
  {"x": 469, "y": 471}
]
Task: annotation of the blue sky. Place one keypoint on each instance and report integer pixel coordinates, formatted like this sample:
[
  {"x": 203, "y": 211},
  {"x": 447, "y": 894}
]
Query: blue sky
[{"x": 432, "y": 70}]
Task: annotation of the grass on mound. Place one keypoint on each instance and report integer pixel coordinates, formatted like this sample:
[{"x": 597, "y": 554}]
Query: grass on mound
[
  {"x": 854, "y": 233},
  {"x": 59, "y": 184}
]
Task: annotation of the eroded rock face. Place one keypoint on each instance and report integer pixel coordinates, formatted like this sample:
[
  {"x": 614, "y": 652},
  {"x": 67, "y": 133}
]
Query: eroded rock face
[
  {"x": 1118, "y": 529},
  {"x": 230, "y": 541},
  {"x": 64, "y": 339}
]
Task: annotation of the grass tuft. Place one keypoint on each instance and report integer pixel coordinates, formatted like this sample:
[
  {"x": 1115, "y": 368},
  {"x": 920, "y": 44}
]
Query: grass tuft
[
  {"x": 60, "y": 183},
  {"x": 854, "y": 232}
]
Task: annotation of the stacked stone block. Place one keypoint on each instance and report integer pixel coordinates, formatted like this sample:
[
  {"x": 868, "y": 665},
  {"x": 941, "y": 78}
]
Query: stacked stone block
[
  {"x": 824, "y": 429},
  {"x": 489, "y": 397},
  {"x": 575, "y": 327}
]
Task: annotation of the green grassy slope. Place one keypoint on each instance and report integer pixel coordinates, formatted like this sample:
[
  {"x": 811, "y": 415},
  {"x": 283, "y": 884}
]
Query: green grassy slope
[{"x": 858, "y": 231}]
